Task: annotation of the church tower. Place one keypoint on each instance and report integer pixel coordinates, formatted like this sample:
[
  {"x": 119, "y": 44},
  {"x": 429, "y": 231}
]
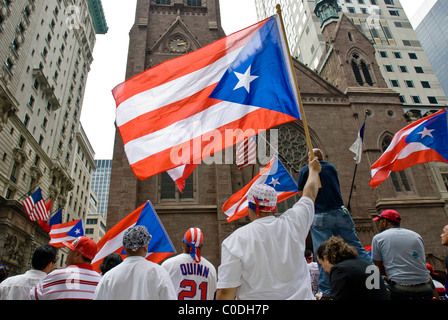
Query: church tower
[{"x": 163, "y": 30}]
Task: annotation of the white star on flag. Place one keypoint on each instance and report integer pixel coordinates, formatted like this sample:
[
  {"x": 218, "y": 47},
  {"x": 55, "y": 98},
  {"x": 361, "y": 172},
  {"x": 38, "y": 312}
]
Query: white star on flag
[
  {"x": 77, "y": 231},
  {"x": 426, "y": 132},
  {"x": 244, "y": 79},
  {"x": 274, "y": 182}
]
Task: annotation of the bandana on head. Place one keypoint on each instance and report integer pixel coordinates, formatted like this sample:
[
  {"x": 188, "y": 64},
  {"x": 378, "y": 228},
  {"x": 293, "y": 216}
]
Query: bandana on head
[
  {"x": 136, "y": 237},
  {"x": 194, "y": 237},
  {"x": 262, "y": 195}
]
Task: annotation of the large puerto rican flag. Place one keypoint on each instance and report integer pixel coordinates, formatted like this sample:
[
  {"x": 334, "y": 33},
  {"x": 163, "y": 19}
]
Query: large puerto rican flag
[
  {"x": 423, "y": 141},
  {"x": 172, "y": 114},
  {"x": 274, "y": 175},
  {"x": 160, "y": 247}
]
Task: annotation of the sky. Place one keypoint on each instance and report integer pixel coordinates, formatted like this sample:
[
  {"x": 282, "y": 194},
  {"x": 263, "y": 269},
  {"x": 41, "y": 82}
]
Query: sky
[{"x": 110, "y": 55}]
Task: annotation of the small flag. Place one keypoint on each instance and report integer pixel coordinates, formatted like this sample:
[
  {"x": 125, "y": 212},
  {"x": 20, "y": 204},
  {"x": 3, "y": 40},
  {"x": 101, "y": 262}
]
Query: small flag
[
  {"x": 356, "y": 148},
  {"x": 425, "y": 140},
  {"x": 274, "y": 175},
  {"x": 160, "y": 247},
  {"x": 55, "y": 219},
  {"x": 67, "y": 232},
  {"x": 35, "y": 206},
  {"x": 246, "y": 153}
]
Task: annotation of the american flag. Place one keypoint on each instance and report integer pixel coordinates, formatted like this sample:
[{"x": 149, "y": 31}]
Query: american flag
[
  {"x": 246, "y": 153},
  {"x": 173, "y": 113},
  {"x": 35, "y": 206}
]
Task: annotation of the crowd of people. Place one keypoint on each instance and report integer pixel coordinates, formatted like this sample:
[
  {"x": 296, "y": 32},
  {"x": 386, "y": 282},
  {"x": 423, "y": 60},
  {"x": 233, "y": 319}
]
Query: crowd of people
[{"x": 265, "y": 259}]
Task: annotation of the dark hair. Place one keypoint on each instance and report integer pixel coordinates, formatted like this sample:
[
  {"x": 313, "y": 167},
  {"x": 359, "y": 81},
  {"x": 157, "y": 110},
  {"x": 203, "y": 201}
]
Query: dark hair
[
  {"x": 4, "y": 272},
  {"x": 110, "y": 261},
  {"x": 42, "y": 256},
  {"x": 336, "y": 250}
]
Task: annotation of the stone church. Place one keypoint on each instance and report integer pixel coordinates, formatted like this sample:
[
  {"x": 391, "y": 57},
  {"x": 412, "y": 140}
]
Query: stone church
[{"x": 346, "y": 88}]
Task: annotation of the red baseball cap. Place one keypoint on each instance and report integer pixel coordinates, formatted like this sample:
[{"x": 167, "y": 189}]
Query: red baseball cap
[
  {"x": 389, "y": 214},
  {"x": 84, "y": 246}
]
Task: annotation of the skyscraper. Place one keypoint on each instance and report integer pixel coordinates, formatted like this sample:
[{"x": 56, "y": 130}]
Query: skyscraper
[
  {"x": 400, "y": 56},
  {"x": 100, "y": 184},
  {"x": 431, "y": 25},
  {"x": 45, "y": 56}
]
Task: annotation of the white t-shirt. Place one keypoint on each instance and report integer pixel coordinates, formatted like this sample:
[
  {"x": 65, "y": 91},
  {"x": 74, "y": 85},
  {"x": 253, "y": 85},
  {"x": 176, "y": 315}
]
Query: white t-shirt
[
  {"x": 18, "y": 287},
  {"x": 265, "y": 259},
  {"x": 402, "y": 252},
  {"x": 136, "y": 279},
  {"x": 191, "y": 280}
]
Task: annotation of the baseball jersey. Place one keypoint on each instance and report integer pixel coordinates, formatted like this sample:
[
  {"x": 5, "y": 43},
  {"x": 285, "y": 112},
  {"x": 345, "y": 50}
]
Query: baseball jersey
[
  {"x": 76, "y": 282},
  {"x": 192, "y": 280},
  {"x": 265, "y": 259}
]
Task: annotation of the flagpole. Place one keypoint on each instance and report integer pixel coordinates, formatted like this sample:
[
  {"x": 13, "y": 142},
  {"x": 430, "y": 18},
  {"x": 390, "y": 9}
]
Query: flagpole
[
  {"x": 302, "y": 112},
  {"x": 354, "y": 173},
  {"x": 28, "y": 193}
]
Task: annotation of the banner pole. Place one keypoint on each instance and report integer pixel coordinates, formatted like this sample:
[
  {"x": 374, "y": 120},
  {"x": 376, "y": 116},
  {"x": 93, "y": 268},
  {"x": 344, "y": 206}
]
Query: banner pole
[{"x": 302, "y": 112}]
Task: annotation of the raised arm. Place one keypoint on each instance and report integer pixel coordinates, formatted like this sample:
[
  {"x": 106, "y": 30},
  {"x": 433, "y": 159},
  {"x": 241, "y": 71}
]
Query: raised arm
[{"x": 312, "y": 184}]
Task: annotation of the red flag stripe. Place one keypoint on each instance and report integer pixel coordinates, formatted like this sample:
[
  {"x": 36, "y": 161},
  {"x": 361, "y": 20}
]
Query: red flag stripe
[
  {"x": 184, "y": 65},
  {"x": 146, "y": 124},
  {"x": 146, "y": 167}
]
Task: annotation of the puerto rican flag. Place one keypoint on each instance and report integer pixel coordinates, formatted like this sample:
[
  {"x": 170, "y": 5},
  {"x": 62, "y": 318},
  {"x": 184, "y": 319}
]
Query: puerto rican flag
[
  {"x": 180, "y": 174},
  {"x": 35, "y": 206},
  {"x": 274, "y": 175},
  {"x": 180, "y": 111},
  {"x": 160, "y": 247},
  {"x": 423, "y": 141},
  {"x": 67, "y": 232}
]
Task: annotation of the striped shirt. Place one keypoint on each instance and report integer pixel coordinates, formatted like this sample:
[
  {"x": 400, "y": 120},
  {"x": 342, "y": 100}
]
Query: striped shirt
[{"x": 76, "y": 282}]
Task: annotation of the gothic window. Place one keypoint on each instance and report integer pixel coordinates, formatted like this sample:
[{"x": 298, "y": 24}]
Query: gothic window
[
  {"x": 357, "y": 73},
  {"x": 170, "y": 191},
  {"x": 361, "y": 70},
  {"x": 163, "y": 1},
  {"x": 399, "y": 178}
]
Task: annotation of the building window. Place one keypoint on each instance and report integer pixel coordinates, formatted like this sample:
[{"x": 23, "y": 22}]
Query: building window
[
  {"x": 357, "y": 73},
  {"x": 366, "y": 73},
  {"x": 419, "y": 69},
  {"x": 399, "y": 178},
  {"x": 397, "y": 55},
  {"x": 432, "y": 100},
  {"x": 163, "y": 2},
  {"x": 383, "y": 54},
  {"x": 425, "y": 84},
  {"x": 170, "y": 191},
  {"x": 409, "y": 83},
  {"x": 195, "y": 3},
  {"x": 403, "y": 69},
  {"x": 416, "y": 99},
  {"x": 413, "y": 56},
  {"x": 389, "y": 68},
  {"x": 395, "y": 83}
]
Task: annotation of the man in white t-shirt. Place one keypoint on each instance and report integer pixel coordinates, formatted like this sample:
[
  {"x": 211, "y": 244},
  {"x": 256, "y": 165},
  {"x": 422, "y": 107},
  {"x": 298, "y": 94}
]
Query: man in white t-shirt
[
  {"x": 136, "y": 278},
  {"x": 265, "y": 258},
  {"x": 193, "y": 276}
]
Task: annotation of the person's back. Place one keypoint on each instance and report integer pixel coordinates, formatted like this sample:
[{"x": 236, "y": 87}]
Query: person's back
[
  {"x": 403, "y": 255},
  {"x": 191, "y": 280},
  {"x": 135, "y": 279},
  {"x": 272, "y": 253},
  {"x": 349, "y": 280}
]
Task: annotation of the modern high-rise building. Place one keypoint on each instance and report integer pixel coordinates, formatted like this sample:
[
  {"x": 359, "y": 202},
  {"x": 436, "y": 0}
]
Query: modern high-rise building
[
  {"x": 45, "y": 56},
  {"x": 431, "y": 25},
  {"x": 100, "y": 184},
  {"x": 400, "y": 56}
]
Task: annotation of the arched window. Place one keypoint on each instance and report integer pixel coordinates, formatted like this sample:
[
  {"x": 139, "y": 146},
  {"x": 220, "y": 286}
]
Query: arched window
[
  {"x": 357, "y": 73},
  {"x": 361, "y": 70},
  {"x": 399, "y": 178},
  {"x": 366, "y": 73}
]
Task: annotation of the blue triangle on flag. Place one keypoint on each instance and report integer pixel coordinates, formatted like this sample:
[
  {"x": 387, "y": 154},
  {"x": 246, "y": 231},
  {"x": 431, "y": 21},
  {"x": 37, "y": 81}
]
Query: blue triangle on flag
[
  {"x": 56, "y": 218},
  {"x": 77, "y": 230},
  {"x": 280, "y": 179},
  {"x": 159, "y": 238},
  {"x": 263, "y": 64}
]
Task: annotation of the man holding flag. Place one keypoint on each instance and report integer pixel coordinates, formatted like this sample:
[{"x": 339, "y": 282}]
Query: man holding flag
[
  {"x": 331, "y": 217},
  {"x": 265, "y": 258}
]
